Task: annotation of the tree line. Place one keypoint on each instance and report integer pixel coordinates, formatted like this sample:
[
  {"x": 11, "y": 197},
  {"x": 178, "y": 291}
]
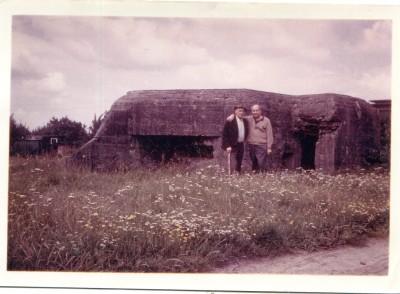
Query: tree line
[{"x": 74, "y": 133}]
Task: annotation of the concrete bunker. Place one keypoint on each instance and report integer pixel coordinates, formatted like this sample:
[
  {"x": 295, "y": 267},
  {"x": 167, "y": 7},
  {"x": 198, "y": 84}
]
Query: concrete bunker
[{"x": 325, "y": 131}]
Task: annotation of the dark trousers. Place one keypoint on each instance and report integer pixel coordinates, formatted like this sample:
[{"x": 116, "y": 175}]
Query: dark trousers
[
  {"x": 258, "y": 157},
  {"x": 237, "y": 157}
]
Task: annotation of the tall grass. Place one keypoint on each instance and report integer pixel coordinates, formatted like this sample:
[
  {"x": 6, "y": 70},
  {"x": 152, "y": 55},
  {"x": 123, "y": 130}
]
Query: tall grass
[{"x": 171, "y": 220}]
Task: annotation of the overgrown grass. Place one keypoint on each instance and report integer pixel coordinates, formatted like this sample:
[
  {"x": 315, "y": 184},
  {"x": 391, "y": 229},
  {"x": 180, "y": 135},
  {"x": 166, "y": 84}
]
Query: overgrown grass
[{"x": 170, "y": 220}]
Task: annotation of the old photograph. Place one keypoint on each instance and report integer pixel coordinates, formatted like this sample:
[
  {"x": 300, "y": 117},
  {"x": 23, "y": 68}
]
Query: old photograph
[{"x": 212, "y": 147}]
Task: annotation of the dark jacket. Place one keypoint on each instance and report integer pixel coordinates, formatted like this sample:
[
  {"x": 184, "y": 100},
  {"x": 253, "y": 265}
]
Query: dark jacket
[{"x": 230, "y": 133}]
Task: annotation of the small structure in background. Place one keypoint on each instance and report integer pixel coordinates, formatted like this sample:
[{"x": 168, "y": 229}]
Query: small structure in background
[
  {"x": 37, "y": 145},
  {"x": 384, "y": 108},
  {"x": 328, "y": 132}
]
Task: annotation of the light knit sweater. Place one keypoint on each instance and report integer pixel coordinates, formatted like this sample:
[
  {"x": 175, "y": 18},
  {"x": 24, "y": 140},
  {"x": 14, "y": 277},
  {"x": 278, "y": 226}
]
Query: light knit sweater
[{"x": 260, "y": 132}]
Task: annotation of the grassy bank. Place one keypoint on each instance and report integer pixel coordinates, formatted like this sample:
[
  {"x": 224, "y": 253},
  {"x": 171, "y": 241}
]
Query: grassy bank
[{"x": 170, "y": 220}]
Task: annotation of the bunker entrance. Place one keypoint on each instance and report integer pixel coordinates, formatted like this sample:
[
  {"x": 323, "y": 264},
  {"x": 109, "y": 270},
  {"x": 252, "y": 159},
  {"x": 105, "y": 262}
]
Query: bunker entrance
[
  {"x": 167, "y": 148},
  {"x": 308, "y": 137},
  {"x": 308, "y": 144}
]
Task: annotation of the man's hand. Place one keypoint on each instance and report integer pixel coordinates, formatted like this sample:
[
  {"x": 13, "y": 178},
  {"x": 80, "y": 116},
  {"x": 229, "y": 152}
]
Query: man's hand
[
  {"x": 229, "y": 149},
  {"x": 230, "y": 118},
  {"x": 269, "y": 151}
]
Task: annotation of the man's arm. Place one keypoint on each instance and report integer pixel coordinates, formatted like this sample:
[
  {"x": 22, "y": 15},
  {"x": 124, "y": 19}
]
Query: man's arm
[
  {"x": 232, "y": 116},
  {"x": 270, "y": 136}
]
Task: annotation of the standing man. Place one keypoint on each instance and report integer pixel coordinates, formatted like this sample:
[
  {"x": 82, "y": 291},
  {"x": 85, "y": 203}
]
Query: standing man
[
  {"x": 234, "y": 134},
  {"x": 260, "y": 138}
]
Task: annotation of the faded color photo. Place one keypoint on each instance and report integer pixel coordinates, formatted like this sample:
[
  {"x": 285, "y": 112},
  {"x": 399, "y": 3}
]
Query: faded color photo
[{"x": 116, "y": 162}]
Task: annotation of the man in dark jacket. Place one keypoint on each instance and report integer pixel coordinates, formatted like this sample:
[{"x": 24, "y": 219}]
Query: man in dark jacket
[{"x": 234, "y": 134}]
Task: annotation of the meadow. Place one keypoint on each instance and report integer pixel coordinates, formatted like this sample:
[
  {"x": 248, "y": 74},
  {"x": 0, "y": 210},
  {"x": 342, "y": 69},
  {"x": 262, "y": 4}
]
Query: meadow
[{"x": 174, "y": 220}]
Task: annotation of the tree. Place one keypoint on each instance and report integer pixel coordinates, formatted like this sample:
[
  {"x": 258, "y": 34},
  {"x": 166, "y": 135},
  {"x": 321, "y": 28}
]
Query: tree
[
  {"x": 74, "y": 133},
  {"x": 96, "y": 123},
  {"x": 18, "y": 131}
]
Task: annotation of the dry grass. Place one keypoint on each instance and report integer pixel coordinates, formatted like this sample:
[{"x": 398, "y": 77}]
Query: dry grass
[{"x": 170, "y": 220}]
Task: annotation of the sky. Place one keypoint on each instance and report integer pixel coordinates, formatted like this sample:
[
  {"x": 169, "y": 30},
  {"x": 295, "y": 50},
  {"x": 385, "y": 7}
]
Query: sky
[{"x": 77, "y": 66}]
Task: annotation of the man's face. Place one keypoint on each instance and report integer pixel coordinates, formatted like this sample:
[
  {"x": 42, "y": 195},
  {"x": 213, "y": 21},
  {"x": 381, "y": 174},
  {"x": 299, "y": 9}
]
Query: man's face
[
  {"x": 256, "y": 111},
  {"x": 239, "y": 112}
]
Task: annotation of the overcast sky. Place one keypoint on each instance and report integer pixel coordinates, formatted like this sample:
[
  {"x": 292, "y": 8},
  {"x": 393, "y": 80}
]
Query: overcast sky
[{"x": 78, "y": 66}]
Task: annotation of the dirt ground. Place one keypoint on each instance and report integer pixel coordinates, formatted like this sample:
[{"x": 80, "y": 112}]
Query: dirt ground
[{"x": 369, "y": 259}]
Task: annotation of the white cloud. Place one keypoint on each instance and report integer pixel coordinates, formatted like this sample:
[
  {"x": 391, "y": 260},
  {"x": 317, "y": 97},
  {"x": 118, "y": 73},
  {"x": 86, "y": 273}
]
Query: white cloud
[
  {"x": 145, "y": 44},
  {"x": 374, "y": 82},
  {"x": 52, "y": 84},
  {"x": 377, "y": 38}
]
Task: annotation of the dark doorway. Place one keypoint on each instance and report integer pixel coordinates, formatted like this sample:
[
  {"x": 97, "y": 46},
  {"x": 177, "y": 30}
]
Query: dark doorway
[
  {"x": 308, "y": 143},
  {"x": 167, "y": 148}
]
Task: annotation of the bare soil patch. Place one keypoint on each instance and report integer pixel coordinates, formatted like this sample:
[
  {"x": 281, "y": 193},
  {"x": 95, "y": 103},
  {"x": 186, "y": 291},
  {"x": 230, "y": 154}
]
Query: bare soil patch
[{"x": 370, "y": 259}]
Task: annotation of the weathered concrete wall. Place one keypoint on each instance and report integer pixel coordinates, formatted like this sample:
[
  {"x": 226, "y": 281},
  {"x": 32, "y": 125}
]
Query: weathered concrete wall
[
  {"x": 325, "y": 131},
  {"x": 384, "y": 108},
  {"x": 360, "y": 131},
  {"x": 346, "y": 129}
]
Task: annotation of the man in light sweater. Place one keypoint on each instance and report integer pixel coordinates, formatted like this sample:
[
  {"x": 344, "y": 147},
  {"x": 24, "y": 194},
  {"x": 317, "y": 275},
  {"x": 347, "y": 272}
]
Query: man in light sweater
[{"x": 260, "y": 138}]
